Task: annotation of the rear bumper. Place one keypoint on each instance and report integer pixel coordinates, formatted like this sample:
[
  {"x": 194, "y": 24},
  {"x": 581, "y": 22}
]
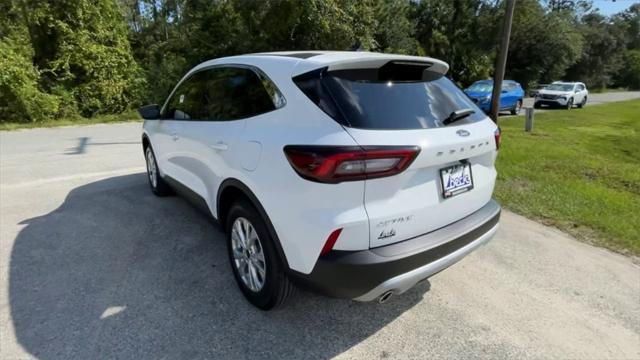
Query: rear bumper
[{"x": 365, "y": 275}]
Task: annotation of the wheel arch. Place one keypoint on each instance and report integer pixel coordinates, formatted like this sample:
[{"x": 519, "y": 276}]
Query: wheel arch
[
  {"x": 145, "y": 141},
  {"x": 232, "y": 189}
]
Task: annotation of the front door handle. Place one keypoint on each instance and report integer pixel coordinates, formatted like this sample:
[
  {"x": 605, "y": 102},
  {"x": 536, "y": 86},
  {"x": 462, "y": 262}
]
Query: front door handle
[
  {"x": 220, "y": 146},
  {"x": 175, "y": 136}
]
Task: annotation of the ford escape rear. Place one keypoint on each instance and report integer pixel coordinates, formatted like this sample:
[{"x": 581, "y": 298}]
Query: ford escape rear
[{"x": 354, "y": 174}]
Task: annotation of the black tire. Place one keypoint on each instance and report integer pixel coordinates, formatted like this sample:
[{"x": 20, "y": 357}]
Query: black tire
[
  {"x": 276, "y": 288},
  {"x": 516, "y": 109},
  {"x": 570, "y": 104},
  {"x": 158, "y": 186},
  {"x": 582, "y": 103}
]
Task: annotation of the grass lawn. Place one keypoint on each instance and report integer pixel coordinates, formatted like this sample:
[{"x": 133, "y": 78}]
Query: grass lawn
[
  {"x": 579, "y": 171},
  {"x": 131, "y": 115}
]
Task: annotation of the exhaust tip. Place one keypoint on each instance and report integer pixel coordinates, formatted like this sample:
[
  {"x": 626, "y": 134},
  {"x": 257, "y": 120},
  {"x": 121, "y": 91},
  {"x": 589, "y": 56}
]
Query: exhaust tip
[{"x": 384, "y": 297}]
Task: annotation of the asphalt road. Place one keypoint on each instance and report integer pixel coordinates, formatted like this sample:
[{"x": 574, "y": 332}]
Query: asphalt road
[{"x": 92, "y": 265}]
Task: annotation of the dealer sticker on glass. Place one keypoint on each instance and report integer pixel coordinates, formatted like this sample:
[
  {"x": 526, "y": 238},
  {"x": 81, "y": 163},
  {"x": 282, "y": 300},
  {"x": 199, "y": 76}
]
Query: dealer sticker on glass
[{"x": 456, "y": 179}]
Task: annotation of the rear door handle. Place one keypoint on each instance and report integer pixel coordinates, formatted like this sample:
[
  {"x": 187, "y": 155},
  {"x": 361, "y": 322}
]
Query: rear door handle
[
  {"x": 220, "y": 146},
  {"x": 175, "y": 136}
]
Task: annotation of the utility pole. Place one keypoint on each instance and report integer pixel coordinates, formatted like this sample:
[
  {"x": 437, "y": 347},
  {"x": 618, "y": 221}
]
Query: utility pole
[{"x": 501, "y": 60}]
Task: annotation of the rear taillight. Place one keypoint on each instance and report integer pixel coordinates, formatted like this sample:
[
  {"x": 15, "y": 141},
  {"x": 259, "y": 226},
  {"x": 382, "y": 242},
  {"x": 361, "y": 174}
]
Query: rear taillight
[
  {"x": 334, "y": 164},
  {"x": 497, "y": 135}
]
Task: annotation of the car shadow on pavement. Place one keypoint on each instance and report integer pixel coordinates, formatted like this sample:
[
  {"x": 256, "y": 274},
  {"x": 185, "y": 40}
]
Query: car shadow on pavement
[{"x": 116, "y": 272}]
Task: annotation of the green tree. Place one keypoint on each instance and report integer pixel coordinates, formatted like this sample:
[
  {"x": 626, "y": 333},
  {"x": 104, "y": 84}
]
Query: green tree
[
  {"x": 629, "y": 73},
  {"x": 83, "y": 51},
  {"x": 628, "y": 22},
  {"x": 306, "y": 25},
  {"x": 174, "y": 35},
  {"x": 455, "y": 31},
  {"x": 68, "y": 57},
  {"x": 21, "y": 97},
  {"x": 159, "y": 46},
  {"x": 543, "y": 44},
  {"x": 394, "y": 29},
  {"x": 576, "y": 7},
  {"x": 604, "y": 44}
]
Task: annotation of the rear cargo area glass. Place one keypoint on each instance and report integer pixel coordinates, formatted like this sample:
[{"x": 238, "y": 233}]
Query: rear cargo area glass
[{"x": 374, "y": 99}]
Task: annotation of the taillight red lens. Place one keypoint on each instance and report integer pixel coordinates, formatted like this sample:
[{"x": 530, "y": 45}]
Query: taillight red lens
[
  {"x": 334, "y": 164},
  {"x": 497, "y": 135}
]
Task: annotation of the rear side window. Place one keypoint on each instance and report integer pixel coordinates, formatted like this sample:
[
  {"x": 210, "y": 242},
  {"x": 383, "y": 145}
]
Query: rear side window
[
  {"x": 390, "y": 97},
  {"x": 223, "y": 93}
]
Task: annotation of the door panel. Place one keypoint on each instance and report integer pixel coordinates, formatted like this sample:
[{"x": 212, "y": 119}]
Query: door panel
[
  {"x": 207, "y": 151},
  {"x": 508, "y": 99},
  {"x": 164, "y": 141},
  {"x": 213, "y": 104}
]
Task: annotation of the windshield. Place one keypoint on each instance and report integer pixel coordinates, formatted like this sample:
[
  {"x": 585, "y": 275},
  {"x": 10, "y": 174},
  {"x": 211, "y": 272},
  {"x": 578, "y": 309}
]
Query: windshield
[
  {"x": 560, "y": 87},
  {"x": 481, "y": 87}
]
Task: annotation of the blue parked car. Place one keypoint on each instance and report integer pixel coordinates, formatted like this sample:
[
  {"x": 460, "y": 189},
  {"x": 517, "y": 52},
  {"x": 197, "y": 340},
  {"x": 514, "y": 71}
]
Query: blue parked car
[{"x": 510, "y": 98}]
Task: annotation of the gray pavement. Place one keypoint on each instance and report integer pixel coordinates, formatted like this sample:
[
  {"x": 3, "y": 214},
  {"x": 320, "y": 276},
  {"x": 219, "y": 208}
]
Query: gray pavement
[
  {"x": 594, "y": 99},
  {"x": 94, "y": 266}
]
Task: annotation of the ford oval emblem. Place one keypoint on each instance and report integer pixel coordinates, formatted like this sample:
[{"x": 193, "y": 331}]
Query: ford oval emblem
[{"x": 462, "y": 133}]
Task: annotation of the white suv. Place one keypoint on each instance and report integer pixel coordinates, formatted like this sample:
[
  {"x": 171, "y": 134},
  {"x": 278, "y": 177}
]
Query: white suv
[
  {"x": 353, "y": 174},
  {"x": 564, "y": 94}
]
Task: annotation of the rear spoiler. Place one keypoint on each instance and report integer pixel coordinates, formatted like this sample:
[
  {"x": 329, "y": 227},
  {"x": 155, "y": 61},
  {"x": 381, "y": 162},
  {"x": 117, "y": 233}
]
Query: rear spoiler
[
  {"x": 363, "y": 60},
  {"x": 433, "y": 66}
]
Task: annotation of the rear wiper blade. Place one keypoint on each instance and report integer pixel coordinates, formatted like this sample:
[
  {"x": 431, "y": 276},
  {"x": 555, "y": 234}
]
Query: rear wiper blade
[{"x": 458, "y": 115}]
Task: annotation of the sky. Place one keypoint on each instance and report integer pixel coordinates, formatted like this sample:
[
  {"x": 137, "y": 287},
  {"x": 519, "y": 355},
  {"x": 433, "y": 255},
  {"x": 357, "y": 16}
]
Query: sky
[{"x": 609, "y": 7}]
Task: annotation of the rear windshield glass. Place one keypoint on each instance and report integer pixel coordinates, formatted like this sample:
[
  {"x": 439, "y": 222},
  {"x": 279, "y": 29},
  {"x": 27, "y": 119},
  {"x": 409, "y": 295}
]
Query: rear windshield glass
[{"x": 366, "y": 99}]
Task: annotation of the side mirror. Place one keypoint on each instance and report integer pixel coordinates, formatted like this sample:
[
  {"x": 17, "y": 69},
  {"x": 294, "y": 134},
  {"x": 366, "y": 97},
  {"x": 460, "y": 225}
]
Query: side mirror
[{"x": 150, "y": 112}]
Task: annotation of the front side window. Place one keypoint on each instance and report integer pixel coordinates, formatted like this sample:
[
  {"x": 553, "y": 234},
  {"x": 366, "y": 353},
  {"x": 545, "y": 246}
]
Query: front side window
[{"x": 222, "y": 94}]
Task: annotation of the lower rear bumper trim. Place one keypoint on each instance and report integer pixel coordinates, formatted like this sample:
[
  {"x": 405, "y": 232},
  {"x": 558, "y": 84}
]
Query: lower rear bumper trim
[
  {"x": 364, "y": 275},
  {"x": 406, "y": 281}
]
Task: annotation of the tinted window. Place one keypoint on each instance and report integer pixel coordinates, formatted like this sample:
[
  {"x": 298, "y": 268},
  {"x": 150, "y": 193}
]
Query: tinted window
[
  {"x": 359, "y": 99},
  {"x": 223, "y": 93}
]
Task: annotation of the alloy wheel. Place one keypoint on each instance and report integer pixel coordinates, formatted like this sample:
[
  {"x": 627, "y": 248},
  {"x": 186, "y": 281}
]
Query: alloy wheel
[
  {"x": 248, "y": 254},
  {"x": 152, "y": 170}
]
